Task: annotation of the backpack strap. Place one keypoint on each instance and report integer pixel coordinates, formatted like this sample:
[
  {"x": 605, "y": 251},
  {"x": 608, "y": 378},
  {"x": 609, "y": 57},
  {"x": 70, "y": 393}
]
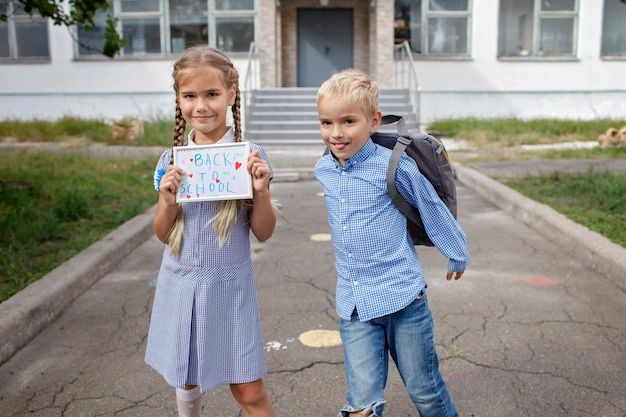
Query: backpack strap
[{"x": 403, "y": 141}]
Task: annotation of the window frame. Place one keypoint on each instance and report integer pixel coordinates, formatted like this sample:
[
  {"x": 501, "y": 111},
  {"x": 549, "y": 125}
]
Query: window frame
[
  {"x": 213, "y": 15},
  {"x": 12, "y": 35},
  {"x": 603, "y": 55},
  {"x": 539, "y": 16},
  {"x": 426, "y": 15},
  {"x": 158, "y": 14}
]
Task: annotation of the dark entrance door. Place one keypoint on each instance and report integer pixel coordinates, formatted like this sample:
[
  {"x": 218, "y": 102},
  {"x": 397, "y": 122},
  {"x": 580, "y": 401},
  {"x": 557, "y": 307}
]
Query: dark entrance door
[{"x": 325, "y": 39}]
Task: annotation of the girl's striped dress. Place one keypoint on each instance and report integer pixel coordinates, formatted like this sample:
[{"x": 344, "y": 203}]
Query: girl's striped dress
[{"x": 205, "y": 328}]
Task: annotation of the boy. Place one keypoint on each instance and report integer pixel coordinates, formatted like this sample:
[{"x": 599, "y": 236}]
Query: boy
[{"x": 381, "y": 298}]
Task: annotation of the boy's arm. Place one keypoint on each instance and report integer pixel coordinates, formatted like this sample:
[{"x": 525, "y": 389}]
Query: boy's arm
[{"x": 442, "y": 228}]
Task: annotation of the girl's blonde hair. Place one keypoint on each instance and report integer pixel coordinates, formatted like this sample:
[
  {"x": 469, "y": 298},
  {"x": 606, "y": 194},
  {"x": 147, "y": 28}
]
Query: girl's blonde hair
[
  {"x": 197, "y": 57},
  {"x": 354, "y": 86}
]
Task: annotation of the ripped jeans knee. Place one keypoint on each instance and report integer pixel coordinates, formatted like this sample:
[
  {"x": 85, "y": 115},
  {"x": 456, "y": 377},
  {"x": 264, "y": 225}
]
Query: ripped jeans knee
[{"x": 374, "y": 410}]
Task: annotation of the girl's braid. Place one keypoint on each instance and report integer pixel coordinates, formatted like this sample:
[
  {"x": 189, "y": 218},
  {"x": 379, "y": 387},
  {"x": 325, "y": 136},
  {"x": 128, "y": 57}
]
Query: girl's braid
[
  {"x": 237, "y": 115},
  {"x": 179, "y": 130}
]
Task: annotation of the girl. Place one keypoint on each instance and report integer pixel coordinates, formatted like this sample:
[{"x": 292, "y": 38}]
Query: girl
[{"x": 205, "y": 329}]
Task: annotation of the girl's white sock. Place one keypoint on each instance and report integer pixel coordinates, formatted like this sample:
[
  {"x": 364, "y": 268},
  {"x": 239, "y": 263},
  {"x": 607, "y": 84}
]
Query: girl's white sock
[{"x": 189, "y": 402}]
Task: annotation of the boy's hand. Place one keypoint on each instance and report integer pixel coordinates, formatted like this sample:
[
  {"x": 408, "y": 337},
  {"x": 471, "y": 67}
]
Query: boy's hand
[{"x": 452, "y": 274}]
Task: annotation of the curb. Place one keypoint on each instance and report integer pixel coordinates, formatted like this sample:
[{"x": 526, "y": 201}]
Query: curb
[
  {"x": 591, "y": 247},
  {"x": 29, "y": 311}
]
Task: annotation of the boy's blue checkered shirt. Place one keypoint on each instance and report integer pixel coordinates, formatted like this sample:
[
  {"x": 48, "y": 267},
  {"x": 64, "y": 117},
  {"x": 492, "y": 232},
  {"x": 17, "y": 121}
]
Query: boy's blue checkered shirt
[{"x": 378, "y": 269}]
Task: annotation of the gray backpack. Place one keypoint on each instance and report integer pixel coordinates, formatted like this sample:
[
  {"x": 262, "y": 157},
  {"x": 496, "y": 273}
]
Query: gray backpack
[{"x": 433, "y": 162}]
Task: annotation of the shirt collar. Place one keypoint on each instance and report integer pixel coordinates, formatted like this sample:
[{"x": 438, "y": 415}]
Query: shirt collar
[
  {"x": 229, "y": 137},
  {"x": 367, "y": 150}
]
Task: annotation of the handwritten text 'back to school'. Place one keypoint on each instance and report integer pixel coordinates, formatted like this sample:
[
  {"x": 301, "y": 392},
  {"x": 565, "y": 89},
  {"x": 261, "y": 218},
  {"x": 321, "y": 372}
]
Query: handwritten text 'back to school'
[{"x": 213, "y": 175}]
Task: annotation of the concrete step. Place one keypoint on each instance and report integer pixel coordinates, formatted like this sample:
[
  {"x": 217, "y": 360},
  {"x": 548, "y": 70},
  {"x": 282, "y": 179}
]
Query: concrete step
[
  {"x": 312, "y": 91},
  {"x": 306, "y": 99},
  {"x": 261, "y": 116},
  {"x": 285, "y": 109},
  {"x": 295, "y": 133},
  {"x": 306, "y": 116},
  {"x": 289, "y": 115},
  {"x": 300, "y": 124}
]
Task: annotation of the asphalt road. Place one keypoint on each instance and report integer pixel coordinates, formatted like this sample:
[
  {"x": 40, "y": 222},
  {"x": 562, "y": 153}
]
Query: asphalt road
[{"x": 531, "y": 330}]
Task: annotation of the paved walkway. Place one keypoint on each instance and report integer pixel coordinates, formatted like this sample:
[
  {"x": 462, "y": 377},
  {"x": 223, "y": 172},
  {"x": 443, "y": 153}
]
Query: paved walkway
[{"x": 532, "y": 329}]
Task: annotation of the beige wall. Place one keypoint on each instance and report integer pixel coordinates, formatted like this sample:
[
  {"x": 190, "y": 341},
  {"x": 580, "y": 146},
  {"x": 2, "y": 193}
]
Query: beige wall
[
  {"x": 373, "y": 39},
  {"x": 381, "y": 42},
  {"x": 269, "y": 44}
]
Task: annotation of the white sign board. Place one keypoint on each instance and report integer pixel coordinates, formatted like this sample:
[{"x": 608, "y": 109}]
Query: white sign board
[{"x": 214, "y": 172}]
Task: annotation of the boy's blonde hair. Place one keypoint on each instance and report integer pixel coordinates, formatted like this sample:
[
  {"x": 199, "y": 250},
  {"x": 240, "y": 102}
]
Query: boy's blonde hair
[
  {"x": 198, "y": 57},
  {"x": 354, "y": 86}
]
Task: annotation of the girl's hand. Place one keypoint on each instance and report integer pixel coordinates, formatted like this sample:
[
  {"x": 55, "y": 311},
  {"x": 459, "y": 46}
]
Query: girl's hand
[
  {"x": 170, "y": 183},
  {"x": 260, "y": 171}
]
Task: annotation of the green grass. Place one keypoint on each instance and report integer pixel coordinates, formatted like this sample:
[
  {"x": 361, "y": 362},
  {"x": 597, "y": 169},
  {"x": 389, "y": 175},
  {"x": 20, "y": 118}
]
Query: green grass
[
  {"x": 594, "y": 199},
  {"x": 52, "y": 207},
  {"x": 515, "y": 132},
  {"x": 157, "y": 132},
  {"x": 486, "y": 134},
  {"x": 595, "y": 153},
  {"x": 500, "y": 139}
]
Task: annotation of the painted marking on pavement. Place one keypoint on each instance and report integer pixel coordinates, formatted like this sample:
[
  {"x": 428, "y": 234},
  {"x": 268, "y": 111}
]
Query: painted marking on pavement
[
  {"x": 542, "y": 281},
  {"x": 320, "y": 338},
  {"x": 276, "y": 345},
  {"x": 321, "y": 237}
]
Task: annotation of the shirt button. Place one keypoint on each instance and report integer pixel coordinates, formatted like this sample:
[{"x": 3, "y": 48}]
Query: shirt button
[
  {"x": 349, "y": 255},
  {"x": 343, "y": 200},
  {"x": 345, "y": 228},
  {"x": 356, "y": 283},
  {"x": 343, "y": 172}
]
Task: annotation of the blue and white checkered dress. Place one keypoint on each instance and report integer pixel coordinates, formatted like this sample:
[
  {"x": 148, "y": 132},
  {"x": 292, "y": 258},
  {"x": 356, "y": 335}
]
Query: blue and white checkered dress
[{"x": 205, "y": 328}]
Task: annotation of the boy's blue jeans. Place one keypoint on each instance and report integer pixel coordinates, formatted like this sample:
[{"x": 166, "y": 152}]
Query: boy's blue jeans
[{"x": 407, "y": 336}]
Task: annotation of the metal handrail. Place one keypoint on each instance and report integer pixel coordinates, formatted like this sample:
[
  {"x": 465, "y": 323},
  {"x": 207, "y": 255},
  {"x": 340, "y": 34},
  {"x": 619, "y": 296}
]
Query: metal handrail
[
  {"x": 405, "y": 76},
  {"x": 250, "y": 81}
]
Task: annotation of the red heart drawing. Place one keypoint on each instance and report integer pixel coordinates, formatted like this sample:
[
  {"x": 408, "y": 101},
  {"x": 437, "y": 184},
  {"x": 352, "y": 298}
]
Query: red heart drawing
[
  {"x": 217, "y": 181},
  {"x": 190, "y": 175},
  {"x": 190, "y": 159},
  {"x": 188, "y": 196},
  {"x": 237, "y": 165}
]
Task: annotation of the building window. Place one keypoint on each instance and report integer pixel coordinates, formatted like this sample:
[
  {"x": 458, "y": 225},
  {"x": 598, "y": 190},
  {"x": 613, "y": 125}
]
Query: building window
[
  {"x": 166, "y": 27},
  {"x": 538, "y": 28},
  {"x": 189, "y": 23},
  {"x": 22, "y": 36},
  {"x": 614, "y": 29},
  {"x": 139, "y": 21},
  {"x": 434, "y": 27},
  {"x": 232, "y": 25}
]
